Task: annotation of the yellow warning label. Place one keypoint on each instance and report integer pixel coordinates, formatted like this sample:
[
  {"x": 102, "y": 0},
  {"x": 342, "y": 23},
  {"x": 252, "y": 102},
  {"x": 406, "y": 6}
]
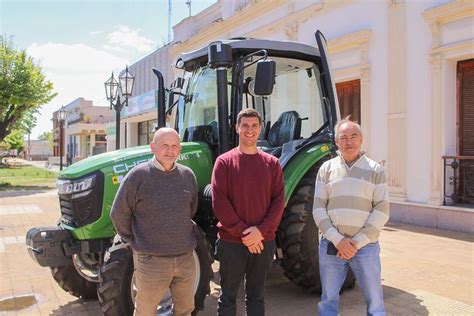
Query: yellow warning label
[{"x": 117, "y": 179}]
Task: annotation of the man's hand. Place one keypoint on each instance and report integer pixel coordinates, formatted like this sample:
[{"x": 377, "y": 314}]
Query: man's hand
[
  {"x": 252, "y": 238},
  {"x": 346, "y": 249},
  {"x": 256, "y": 248}
]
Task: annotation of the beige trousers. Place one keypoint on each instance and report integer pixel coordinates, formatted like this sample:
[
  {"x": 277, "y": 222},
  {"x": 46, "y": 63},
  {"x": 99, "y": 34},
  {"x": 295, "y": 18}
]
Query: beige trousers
[{"x": 155, "y": 275}]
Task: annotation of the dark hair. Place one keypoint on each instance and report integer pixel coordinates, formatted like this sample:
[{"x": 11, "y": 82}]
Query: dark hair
[{"x": 249, "y": 113}]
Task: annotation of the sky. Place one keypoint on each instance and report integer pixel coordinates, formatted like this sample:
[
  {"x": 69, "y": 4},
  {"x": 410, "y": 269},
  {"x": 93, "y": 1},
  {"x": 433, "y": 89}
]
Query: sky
[{"x": 79, "y": 43}]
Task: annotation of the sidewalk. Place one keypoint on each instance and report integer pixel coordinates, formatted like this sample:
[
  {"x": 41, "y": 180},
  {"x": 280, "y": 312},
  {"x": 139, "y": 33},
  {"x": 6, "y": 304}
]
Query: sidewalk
[
  {"x": 41, "y": 164},
  {"x": 425, "y": 271}
]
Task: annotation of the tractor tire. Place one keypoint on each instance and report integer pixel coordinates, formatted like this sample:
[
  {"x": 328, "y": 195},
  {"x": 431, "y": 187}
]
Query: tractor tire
[
  {"x": 299, "y": 238},
  {"x": 114, "y": 291},
  {"x": 73, "y": 283}
]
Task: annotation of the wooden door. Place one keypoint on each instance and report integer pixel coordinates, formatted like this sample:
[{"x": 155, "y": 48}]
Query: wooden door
[
  {"x": 348, "y": 94},
  {"x": 465, "y": 127}
]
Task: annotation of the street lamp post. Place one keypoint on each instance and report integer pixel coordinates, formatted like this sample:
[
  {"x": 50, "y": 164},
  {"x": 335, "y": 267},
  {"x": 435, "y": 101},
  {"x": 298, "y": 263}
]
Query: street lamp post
[
  {"x": 61, "y": 118},
  {"x": 112, "y": 87}
]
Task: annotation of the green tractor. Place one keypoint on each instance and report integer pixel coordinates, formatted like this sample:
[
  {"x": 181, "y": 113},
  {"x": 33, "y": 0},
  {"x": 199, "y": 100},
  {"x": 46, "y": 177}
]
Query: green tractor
[{"x": 289, "y": 84}]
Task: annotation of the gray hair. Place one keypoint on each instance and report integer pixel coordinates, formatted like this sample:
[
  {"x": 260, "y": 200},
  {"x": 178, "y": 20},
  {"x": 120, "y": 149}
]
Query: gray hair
[
  {"x": 344, "y": 121},
  {"x": 162, "y": 131}
]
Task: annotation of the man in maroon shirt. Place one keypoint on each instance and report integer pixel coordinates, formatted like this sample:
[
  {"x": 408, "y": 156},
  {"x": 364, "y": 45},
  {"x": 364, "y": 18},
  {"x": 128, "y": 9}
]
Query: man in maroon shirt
[{"x": 248, "y": 199}]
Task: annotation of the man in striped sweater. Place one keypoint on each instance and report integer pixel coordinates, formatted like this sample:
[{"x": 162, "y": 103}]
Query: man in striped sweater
[{"x": 350, "y": 208}]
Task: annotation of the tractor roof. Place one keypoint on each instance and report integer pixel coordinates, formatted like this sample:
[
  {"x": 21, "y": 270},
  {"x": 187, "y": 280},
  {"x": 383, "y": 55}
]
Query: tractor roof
[{"x": 244, "y": 46}]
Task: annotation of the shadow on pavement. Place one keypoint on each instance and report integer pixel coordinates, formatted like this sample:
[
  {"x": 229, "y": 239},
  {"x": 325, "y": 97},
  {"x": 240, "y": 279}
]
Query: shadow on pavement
[
  {"x": 79, "y": 307},
  {"x": 395, "y": 226},
  {"x": 398, "y": 302}
]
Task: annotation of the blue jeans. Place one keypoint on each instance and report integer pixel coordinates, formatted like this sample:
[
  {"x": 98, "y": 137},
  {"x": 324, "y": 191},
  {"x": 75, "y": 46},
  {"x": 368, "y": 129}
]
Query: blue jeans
[
  {"x": 237, "y": 264},
  {"x": 367, "y": 270}
]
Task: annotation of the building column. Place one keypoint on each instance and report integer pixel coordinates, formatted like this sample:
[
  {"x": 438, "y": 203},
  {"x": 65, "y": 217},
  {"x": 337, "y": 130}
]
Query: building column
[
  {"x": 365, "y": 96},
  {"x": 436, "y": 62},
  {"x": 397, "y": 100}
]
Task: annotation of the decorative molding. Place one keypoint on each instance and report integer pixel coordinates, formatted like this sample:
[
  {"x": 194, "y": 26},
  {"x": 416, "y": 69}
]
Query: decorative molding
[
  {"x": 365, "y": 105},
  {"x": 459, "y": 46},
  {"x": 358, "y": 39},
  {"x": 291, "y": 31},
  {"x": 450, "y": 12},
  {"x": 397, "y": 100},
  {"x": 435, "y": 34},
  {"x": 436, "y": 62},
  {"x": 436, "y": 17}
]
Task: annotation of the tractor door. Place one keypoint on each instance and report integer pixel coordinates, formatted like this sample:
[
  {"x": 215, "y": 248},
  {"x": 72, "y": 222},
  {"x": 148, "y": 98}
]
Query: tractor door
[{"x": 333, "y": 106}]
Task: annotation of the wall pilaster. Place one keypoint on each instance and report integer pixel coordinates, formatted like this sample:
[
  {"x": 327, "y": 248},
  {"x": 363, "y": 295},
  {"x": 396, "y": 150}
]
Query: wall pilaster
[{"x": 397, "y": 100}]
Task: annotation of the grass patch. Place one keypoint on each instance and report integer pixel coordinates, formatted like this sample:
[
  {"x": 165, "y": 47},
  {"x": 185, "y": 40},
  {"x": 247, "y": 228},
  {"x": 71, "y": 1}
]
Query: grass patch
[{"x": 27, "y": 178}]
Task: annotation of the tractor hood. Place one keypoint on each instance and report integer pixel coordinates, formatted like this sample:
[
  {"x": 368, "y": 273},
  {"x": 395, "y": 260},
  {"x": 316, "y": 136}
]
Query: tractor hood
[
  {"x": 101, "y": 161},
  {"x": 195, "y": 155}
]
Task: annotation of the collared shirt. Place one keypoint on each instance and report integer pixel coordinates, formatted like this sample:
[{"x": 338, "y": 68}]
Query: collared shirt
[
  {"x": 159, "y": 166},
  {"x": 350, "y": 164}
]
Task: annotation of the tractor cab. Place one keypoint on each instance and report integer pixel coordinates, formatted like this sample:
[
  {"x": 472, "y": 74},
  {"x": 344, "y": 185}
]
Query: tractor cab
[{"x": 283, "y": 81}]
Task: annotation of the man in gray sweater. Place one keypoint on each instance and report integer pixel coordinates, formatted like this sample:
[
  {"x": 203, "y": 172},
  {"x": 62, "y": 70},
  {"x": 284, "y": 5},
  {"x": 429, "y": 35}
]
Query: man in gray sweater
[{"x": 152, "y": 211}]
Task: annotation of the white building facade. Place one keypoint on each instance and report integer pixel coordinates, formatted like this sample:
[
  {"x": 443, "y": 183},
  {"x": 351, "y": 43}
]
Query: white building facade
[
  {"x": 403, "y": 68},
  {"x": 85, "y": 132}
]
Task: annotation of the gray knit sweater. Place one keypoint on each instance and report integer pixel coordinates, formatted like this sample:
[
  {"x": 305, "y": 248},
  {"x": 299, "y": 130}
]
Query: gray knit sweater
[{"x": 153, "y": 210}]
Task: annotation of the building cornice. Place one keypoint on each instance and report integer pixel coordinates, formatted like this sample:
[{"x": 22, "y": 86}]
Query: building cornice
[
  {"x": 349, "y": 41},
  {"x": 450, "y": 12},
  {"x": 291, "y": 16},
  {"x": 467, "y": 44}
]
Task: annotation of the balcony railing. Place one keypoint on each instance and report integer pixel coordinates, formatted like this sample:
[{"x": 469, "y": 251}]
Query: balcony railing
[{"x": 458, "y": 180}]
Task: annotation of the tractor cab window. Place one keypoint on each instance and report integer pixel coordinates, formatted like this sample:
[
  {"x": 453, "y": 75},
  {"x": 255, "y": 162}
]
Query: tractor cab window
[
  {"x": 198, "y": 119},
  {"x": 295, "y": 106}
]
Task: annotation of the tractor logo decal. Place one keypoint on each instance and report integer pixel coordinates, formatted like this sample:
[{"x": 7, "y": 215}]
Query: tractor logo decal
[
  {"x": 126, "y": 167},
  {"x": 190, "y": 155},
  {"x": 324, "y": 148}
]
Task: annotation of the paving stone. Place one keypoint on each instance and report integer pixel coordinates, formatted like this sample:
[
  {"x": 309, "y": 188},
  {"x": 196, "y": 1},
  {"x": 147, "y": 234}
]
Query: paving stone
[{"x": 425, "y": 271}]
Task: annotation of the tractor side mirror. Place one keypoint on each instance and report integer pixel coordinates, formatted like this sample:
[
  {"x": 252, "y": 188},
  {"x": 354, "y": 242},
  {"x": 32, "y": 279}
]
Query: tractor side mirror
[
  {"x": 265, "y": 77},
  {"x": 177, "y": 84}
]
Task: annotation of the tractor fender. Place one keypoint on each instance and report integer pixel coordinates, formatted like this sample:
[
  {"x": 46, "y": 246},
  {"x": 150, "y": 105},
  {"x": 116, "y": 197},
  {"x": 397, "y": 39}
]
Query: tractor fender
[{"x": 300, "y": 162}]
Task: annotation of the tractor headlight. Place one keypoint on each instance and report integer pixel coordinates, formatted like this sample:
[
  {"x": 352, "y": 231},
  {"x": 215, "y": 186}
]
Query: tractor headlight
[{"x": 71, "y": 186}]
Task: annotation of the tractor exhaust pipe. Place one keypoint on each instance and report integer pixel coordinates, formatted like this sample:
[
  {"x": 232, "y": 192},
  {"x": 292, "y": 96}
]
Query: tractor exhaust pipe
[
  {"x": 160, "y": 108},
  {"x": 220, "y": 58}
]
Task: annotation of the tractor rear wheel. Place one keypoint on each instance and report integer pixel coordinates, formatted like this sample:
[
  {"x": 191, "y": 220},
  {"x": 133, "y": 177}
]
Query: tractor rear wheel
[
  {"x": 117, "y": 290},
  {"x": 299, "y": 238}
]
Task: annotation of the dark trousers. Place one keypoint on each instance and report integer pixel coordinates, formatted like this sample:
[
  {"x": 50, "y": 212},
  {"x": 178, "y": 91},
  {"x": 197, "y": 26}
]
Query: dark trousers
[{"x": 237, "y": 263}]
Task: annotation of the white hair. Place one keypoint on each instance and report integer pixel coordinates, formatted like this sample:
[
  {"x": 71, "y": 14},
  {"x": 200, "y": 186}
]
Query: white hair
[{"x": 345, "y": 121}]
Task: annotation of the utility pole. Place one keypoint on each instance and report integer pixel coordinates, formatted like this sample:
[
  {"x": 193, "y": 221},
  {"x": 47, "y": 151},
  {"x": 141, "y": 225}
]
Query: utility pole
[
  {"x": 170, "y": 11},
  {"x": 188, "y": 3}
]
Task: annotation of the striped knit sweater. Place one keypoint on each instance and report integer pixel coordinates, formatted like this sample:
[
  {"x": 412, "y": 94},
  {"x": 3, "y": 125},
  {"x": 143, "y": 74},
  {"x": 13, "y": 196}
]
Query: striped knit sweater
[{"x": 351, "y": 201}]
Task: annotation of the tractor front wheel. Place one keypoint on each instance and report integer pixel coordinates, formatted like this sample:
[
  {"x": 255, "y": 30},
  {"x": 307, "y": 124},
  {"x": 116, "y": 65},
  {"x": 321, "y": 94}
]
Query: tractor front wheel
[
  {"x": 73, "y": 283},
  {"x": 117, "y": 288}
]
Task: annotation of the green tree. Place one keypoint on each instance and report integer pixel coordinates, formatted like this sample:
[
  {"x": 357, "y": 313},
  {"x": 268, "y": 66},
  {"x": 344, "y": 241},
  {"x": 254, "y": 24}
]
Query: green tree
[
  {"x": 46, "y": 136},
  {"x": 14, "y": 140},
  {"x": 23, "y": 89}
]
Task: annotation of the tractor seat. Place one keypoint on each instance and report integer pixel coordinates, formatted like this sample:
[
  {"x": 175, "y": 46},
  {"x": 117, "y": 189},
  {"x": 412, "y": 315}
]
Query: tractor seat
[{"x": 285, "y": 129}]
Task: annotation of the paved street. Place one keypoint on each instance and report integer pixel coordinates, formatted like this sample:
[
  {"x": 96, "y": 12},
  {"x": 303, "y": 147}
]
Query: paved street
[{"x": 425, "y": 271}]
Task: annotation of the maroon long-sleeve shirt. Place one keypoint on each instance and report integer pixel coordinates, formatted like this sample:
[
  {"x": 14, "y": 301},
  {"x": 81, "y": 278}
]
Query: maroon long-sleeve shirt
[{"x": 247, "y": 190}]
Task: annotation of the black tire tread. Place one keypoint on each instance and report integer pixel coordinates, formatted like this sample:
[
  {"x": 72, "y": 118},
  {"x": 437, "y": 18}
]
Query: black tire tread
[
  {"x": 72, "y": 282},
  {"x": 116, "y": 277},
  {"x": 299, "y": 238}
]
